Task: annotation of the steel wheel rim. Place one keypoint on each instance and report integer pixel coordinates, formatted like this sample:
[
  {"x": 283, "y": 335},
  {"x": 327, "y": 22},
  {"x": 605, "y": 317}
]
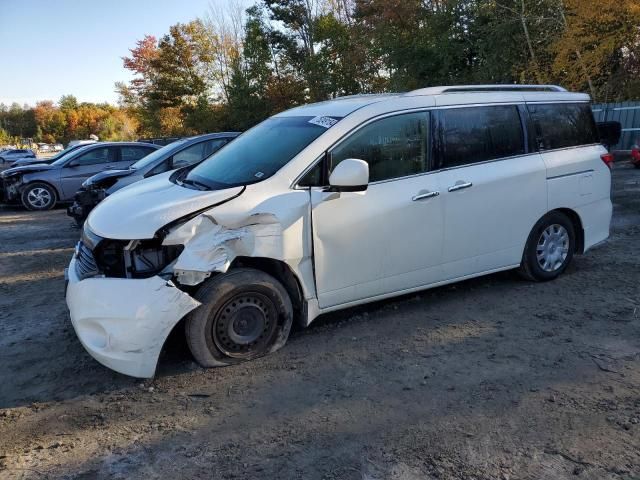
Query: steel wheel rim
[
  {"x": 245, "y": 325},
  {"x": 39, "y": 197},
  {"x": 552, "y": 248}
]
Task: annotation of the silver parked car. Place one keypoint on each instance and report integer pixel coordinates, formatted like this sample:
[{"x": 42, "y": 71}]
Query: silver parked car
[{"x": 41, "y": 186}]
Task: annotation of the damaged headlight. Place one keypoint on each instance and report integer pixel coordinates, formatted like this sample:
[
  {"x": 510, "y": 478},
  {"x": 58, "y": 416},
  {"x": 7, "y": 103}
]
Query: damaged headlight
[
  {"x": 145, "y": 258},
  {"x": 129, "y": 258}
]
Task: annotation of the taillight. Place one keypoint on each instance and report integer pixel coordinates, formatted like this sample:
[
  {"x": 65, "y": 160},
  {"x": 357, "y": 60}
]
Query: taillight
[
  {"x": 635, "y": 154},
  {"x": 608, "y": 159}
]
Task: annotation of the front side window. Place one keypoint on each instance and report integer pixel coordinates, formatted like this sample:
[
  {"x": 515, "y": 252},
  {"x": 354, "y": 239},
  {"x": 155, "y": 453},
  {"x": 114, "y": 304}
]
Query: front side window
[
  {"x": 260, "y": 152},
  {"x": 563, "y": 125},
  {"x": 477, "y": 134},
  {"x": 95, "y": 156},
  {"x": 393, "y": 147}
]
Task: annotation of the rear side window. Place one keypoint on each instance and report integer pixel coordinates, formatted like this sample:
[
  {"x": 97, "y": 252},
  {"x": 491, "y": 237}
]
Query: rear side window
[
  {"x": 477, "y": 134},
  {"x": 393, "y": 147},
  {"x": 563, "y": 125}
]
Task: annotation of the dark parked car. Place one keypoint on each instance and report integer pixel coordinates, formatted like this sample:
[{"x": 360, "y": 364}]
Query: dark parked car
[
  {"x": 181, "y": 153},
  {"x": 41, "y": 186},
  {"x": 16, "y": 154}
]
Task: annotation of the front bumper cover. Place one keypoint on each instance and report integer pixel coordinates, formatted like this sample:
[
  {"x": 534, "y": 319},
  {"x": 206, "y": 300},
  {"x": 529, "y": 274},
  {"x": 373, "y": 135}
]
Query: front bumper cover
[{"x": 123, "y": 323}]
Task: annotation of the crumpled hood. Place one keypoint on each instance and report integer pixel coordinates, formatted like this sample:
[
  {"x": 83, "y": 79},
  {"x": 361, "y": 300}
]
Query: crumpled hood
[
  {"x": 38, "y": 167},
  {"x": 98, "y": 177},
  {"x": 31, "y": 161},
  {"x": 139, "y": 210}
]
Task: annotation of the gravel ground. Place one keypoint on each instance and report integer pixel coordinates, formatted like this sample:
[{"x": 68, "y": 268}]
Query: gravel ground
[{"x": 490, "y": 378}]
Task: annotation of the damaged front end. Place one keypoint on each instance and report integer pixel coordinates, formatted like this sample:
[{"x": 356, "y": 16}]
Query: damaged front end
[
  {"x": 84, "y": 201},
  {"x": 125, "y": 296},
  {"x": 10, "y": 188}
]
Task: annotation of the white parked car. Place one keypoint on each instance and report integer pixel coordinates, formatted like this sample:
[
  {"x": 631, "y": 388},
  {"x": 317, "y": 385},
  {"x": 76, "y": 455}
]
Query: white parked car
[{"x": 336, "y": 204}]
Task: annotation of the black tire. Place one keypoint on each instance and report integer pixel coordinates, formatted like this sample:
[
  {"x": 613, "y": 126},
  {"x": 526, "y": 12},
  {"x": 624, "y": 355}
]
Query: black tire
[
  {"x": 38, "y": 196},
  {"x": 245, "y": 314},
  {"x": 534, "y": 269}
]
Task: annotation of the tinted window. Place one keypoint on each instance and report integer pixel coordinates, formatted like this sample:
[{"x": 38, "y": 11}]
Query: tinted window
[
  {"x": 97, "y": 155},
  {"x": 214, "y": 145},
  {"x": 189, "y": 155},
  {"x": 564, "y": 125},
  {"x": 132, "y": 154},
  {"x": 476, "y": 134},
  {"x": 260, "y": 152},
  {"x": 393, "y": 147}
]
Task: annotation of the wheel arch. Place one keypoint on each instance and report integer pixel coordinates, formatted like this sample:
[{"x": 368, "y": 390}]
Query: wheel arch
[
  {"x": 576, "y": 221},
  {"x": 49, "y": 184},
  {"x": 282, "y": 272}
]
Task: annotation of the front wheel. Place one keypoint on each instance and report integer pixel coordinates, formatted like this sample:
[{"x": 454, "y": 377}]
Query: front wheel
[
  {"x": 38, "y": 196},
  {"x": 245, "y": 314},
  {"x": 549, "y": 249}
]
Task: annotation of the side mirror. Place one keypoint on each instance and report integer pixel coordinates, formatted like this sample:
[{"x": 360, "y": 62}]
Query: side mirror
[
  {"x": 350, "y": 175},
  {"x": 73, "y": 163}
]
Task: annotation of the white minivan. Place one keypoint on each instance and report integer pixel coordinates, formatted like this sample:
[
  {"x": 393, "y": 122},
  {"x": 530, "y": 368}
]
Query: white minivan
[{"x": 335, "y": 204}]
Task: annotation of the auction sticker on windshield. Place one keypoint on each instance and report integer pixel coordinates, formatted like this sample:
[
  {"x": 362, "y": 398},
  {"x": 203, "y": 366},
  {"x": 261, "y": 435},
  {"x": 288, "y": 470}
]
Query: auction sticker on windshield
[{"x": 326, "y": 122}]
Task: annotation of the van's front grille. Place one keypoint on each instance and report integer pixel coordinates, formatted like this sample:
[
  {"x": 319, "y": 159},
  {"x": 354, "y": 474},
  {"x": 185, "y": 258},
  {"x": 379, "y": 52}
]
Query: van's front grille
[{"x": 86, "y": 265}]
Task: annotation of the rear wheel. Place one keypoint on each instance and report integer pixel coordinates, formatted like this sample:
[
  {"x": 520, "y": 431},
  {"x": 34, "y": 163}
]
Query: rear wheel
[
  {"x": 245, "y": 314},
  {"x": 549, "y": 249},
  {"x": 38, "y": 196}
]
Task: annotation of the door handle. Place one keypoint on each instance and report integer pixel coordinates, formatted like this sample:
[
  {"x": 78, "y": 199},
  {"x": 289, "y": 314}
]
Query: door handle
[
  {"x": 423, "y": 196},
  {"x": 460, "y": 186}
]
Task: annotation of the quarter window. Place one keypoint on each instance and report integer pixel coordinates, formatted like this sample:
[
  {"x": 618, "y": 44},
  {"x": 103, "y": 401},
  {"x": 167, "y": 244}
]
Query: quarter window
[
  {"x": 477, "y": 134},
  {"x": 393, "y": 147},
  {"x": 563, "y": 125}
]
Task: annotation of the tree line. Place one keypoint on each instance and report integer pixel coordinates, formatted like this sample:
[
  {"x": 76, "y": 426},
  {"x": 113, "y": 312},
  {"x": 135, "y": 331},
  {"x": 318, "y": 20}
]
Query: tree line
[
  {"x": 67, "y": 120},
  {"x": 232, "y": 68}
]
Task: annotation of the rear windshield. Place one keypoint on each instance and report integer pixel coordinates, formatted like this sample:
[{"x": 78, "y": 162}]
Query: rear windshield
[
  {"x": 260, "y": 152},
  {"x": 161, "y": 153}
]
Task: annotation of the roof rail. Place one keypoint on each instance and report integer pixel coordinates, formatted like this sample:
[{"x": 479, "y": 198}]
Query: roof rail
[{"x": 487, "y": 88}]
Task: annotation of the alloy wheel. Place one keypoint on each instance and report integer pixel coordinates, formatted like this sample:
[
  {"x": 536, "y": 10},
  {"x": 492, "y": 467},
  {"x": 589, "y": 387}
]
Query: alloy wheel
[
  {"x": 39, "y": 197},
  {"x": 552, "y": 248}
]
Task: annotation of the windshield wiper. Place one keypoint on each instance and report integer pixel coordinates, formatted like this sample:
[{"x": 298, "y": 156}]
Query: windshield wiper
[{"x": 195, "y": 183}]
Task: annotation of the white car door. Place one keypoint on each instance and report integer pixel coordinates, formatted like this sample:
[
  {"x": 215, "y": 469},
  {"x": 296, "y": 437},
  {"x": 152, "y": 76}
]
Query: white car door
[
  {"x": 388, "y": 238},
  {"x": 493, "y": 187}
]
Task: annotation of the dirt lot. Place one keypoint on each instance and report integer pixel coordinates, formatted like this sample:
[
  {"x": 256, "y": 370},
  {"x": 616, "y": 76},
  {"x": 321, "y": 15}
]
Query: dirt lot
[{"x": 490, "y": 378}]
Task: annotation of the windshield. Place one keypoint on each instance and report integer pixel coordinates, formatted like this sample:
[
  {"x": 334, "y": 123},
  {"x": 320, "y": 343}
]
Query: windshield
[
  {"x": 260, "y": 152},
  {"x": 61, "y": 154},
  {"x": 161, "y": 153}
]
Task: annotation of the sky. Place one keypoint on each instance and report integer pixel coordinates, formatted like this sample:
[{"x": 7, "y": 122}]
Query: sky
[{"x": 50, "y": 48}]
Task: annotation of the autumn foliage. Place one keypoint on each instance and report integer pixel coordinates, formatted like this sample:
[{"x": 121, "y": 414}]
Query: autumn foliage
[{"x": 231, "y": 69}]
